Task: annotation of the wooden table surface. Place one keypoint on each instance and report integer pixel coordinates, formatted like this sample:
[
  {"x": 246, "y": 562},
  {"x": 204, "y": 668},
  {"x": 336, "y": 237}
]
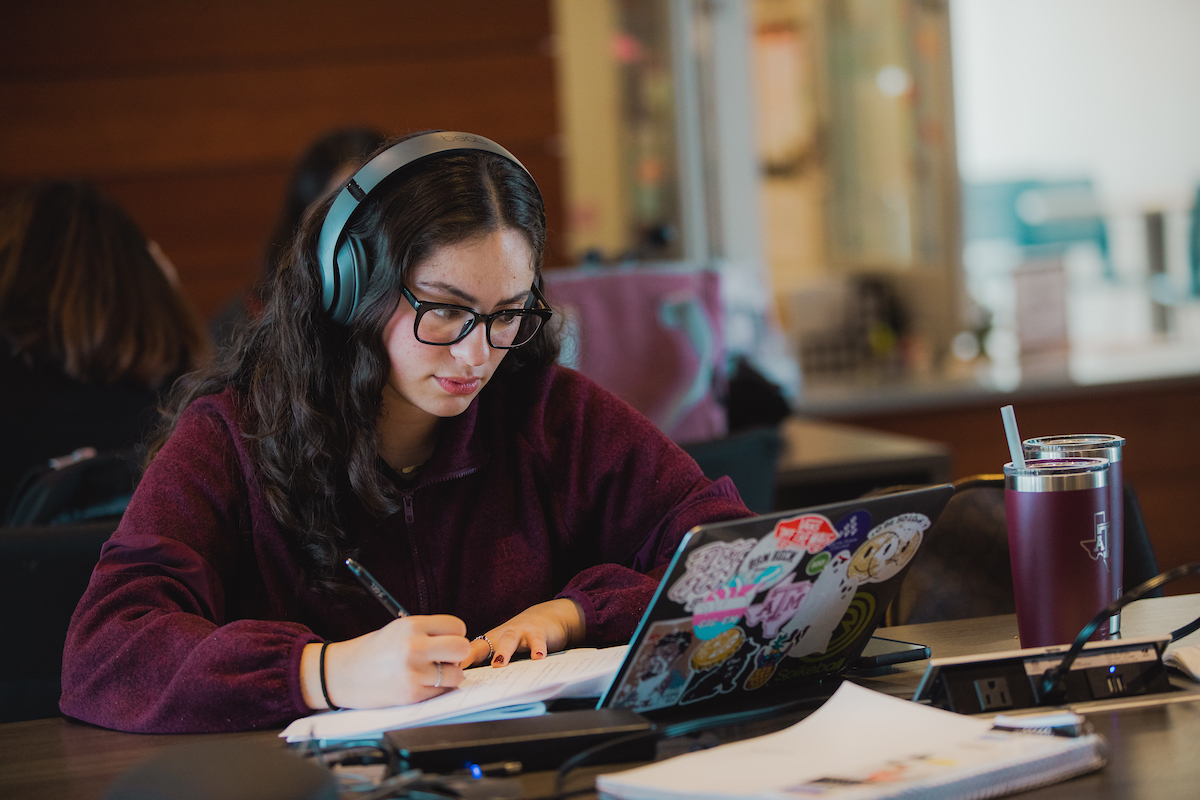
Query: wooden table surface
[
  {"x": 822, "y": 461},
  {"x": 1155, "y": 750}
]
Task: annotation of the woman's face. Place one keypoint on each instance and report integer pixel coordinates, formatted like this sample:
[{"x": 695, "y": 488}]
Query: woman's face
[{"x": 488, "y": 273}]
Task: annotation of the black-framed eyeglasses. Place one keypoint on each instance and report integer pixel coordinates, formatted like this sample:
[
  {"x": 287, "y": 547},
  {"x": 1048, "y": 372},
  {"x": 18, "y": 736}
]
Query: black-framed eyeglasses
[{"x": 445, "y": 324}]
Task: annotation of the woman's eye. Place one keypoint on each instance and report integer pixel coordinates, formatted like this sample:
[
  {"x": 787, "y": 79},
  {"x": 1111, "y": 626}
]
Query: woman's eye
[{"x": 449, "y": 314}]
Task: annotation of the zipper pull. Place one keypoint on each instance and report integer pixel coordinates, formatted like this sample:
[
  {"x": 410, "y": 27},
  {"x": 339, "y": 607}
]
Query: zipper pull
[{"x": 408, "y": 507}]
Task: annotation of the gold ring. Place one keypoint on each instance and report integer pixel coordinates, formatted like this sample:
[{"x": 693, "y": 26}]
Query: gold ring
[{"x": 491, "y": 649}]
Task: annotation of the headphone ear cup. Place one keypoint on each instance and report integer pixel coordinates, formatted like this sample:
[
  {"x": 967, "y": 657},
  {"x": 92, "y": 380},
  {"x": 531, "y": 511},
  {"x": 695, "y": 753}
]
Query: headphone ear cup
[{"x": 351, "y": 277}]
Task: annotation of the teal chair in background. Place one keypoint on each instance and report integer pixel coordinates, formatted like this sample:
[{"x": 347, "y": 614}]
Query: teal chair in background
[{"x": 749, "y": 458}]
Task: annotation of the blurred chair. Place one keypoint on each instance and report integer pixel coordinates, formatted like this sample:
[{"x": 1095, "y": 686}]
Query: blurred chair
[
  {"x": 962, "y": 569},
  {"x": 652, "y": 335},
  {"x": 749, "y": 458},
  {"x": 44, "y": 570},
  {"x": 84, "y": 485}
]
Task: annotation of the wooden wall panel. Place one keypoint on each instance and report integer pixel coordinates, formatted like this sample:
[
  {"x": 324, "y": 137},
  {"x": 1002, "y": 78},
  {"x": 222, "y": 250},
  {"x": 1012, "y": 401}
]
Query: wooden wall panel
[
  {"x": 1160, "y": 422},
  {"x": 191, "y": 114},
  {"x": 70, "y": 36}
]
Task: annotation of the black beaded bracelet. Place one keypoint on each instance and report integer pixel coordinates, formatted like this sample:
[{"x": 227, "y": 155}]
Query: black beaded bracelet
[{"x": 324, "y": 688}]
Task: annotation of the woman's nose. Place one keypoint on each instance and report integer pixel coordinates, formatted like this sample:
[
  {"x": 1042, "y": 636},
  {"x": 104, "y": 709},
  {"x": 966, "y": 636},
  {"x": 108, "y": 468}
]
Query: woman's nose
[{"x": 473, "y": 348}]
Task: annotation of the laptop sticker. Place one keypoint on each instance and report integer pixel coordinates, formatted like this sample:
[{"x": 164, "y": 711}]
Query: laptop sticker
[
  {"x": 781, "y": 603},
  {"x": 767, "y": 659},
  {"x": 722, "y": 609},
  {"x": 708, "y": 568},
  {"x": 822, "y": 607},
  {"x": 719, "y": 670},
  {"x": 888, "y": 549},
  {"x": 661, "y": 668},
  {"x": 811, "y": 532},
  {"x": 770, "y": 561},
  {"x": 859, "y": 616},
  {"x": 852, "y": 531}
]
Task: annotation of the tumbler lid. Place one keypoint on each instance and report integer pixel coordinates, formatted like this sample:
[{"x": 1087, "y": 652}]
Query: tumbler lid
[
  {"x": 1056, "y": 474},
  {"x": 1091, "y": 445}
]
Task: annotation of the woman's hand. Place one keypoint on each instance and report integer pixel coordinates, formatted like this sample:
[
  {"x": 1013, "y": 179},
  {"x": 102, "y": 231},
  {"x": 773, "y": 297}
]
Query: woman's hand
[
  {"x": 538, "y": 630},
  {"x": 407, "y": 660}
]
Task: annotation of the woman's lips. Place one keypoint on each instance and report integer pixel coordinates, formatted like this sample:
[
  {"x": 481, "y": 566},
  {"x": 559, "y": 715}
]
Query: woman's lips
[{"x": 460, "y": 386}]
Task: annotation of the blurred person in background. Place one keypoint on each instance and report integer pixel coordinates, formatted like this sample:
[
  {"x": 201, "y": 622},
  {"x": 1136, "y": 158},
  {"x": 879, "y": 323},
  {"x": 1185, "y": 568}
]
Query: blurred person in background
[
  {"x": 93, "y": 327},
  {"x": 327, "y": 163}
]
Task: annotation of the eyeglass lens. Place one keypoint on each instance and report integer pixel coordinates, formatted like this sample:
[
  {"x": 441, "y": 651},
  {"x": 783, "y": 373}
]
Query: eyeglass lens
[{"x": 446, "y": 325}]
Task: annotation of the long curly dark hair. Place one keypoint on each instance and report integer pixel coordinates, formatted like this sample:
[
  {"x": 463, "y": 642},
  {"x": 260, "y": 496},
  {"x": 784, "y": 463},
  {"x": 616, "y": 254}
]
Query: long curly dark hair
[{"x": 310, "y": 390}]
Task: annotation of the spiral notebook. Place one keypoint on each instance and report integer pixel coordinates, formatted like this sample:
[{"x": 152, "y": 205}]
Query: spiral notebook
[{"x": 865, "y": 745}]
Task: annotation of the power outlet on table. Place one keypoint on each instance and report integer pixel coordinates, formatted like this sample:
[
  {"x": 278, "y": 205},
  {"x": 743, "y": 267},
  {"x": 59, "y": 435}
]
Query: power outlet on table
[
  {"x": 1016, "y": 679},
  {"x": 993, "y": 694}
]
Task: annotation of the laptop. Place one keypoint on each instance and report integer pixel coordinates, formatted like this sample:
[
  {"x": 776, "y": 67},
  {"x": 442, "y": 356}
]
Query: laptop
[{"x": 769, "y": 610}]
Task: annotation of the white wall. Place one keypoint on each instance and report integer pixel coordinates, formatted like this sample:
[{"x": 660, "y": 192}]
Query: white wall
[{"x": 1062, "y": 88}]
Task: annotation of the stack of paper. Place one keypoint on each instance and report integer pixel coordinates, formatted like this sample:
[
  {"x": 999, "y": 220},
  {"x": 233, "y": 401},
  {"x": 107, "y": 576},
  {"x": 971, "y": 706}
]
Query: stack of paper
[
  {"x": 863, "y": 745},
  {"x": 519, "y": 689},
  {"x": 1185, "y": 658}
]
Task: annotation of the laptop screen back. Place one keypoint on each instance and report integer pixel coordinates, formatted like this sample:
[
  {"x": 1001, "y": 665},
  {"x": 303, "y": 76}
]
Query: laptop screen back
[{"x": 762, "y": 610}]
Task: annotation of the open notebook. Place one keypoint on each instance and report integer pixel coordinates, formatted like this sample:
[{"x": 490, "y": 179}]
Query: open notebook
[
  {"x": 865, "y": 745},
  {"x": 750, "y": 613}
]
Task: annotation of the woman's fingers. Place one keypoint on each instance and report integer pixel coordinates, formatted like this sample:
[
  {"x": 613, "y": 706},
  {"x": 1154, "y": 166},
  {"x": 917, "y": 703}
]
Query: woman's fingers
[
  {"x": 443, "y": 675},
  {"x": 539, "y": 630},
  {"x": 480, "y": 653},
  {"x": 506, "y": 644},
  {"x": 536, "y": 641},
  {"x": 408, "y": 660},
  {"x": 443, "y": 649},
  {"x": 435, "y": 625}
]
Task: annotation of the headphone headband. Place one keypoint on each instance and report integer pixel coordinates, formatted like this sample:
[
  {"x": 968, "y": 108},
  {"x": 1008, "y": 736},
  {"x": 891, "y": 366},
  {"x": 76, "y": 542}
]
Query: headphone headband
[{"x": 344, "y": 267}]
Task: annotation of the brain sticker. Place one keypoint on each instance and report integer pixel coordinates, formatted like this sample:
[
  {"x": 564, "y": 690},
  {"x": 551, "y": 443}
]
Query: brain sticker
[
  {"x": 888, "y": 548},
  {"x": 709, "y": 567}
]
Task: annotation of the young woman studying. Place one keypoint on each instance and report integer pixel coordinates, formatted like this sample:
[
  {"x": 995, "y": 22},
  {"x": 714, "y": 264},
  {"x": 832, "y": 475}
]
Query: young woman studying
[{"x": 397, "y": 403}]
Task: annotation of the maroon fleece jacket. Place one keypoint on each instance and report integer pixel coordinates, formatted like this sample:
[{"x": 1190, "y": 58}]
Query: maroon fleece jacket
[{"x": 546, "y": 487}]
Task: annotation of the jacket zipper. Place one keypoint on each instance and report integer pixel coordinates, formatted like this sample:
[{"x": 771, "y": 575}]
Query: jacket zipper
[{"x": 409, "y": 518}]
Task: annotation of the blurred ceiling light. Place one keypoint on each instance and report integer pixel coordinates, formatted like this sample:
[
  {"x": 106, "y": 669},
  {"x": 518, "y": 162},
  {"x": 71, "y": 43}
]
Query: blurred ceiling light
[{"x": 892, "y": 80}]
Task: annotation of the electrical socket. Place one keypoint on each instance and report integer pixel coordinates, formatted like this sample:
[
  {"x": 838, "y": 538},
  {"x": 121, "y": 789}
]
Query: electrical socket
[
  {"x": 993, "y": 694},
  {"x": 1013, "y": 679}
]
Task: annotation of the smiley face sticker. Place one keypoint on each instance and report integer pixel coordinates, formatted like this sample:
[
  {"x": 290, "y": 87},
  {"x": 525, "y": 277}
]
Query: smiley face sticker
[{"x": 888, "y": 548}]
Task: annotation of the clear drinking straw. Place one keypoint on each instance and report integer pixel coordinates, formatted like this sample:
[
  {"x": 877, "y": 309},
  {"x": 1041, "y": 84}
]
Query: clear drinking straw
[{"x": 1014, "y": 438}]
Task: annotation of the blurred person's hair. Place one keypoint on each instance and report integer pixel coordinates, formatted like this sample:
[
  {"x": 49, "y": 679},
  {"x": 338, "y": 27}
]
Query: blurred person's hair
[
  {"x": 80, "y": 286},
  {"x": 329, "y": 160}
]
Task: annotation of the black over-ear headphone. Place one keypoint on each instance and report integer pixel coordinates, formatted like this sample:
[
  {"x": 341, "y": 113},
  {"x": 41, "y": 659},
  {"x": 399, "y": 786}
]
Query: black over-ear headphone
[{"x": 344, "y": 264}]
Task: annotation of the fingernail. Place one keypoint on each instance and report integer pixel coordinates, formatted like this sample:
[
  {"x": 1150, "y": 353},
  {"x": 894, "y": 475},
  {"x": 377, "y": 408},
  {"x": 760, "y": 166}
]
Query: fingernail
[
  {"x": 498, "y": 660},
  {"x": 539, "y": 654}
]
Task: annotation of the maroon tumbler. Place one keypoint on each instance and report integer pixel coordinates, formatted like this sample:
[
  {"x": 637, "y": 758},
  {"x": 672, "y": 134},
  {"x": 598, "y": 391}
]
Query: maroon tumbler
[
  {"x": 1110, "y": 448},
  {"x": 1058, "y": 540}
]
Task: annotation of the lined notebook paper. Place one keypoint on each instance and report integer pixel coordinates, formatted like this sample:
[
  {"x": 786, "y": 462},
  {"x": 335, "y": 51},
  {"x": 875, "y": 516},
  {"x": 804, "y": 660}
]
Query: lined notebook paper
[
  {"x": 864, "y": 745},
  {"x": 519, "y": 689}
]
